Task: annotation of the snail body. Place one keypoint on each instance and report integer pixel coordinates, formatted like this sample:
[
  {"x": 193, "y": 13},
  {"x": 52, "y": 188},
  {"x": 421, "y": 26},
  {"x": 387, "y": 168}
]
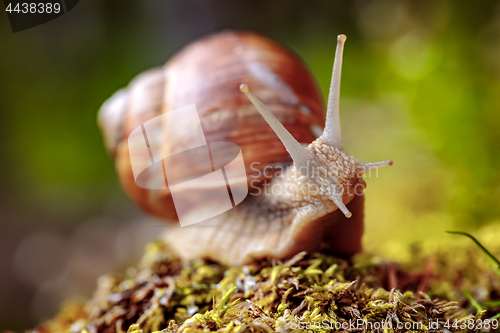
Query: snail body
[{"x": 319, "y": 185}]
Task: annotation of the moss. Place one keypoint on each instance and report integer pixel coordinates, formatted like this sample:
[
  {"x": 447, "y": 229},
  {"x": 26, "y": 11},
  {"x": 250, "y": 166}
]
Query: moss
[{"x": 168, "y": 295}]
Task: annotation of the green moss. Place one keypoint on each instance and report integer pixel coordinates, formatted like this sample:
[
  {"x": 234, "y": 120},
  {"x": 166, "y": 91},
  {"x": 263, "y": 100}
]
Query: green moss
[{"x": 168, "y": 295}]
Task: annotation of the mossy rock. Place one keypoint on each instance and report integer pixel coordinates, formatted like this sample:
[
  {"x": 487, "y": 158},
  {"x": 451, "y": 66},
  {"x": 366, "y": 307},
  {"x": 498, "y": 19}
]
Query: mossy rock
[{"x": 435, "y": 291}]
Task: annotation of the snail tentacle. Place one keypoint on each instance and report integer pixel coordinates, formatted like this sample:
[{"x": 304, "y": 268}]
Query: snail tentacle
[
  {"x": 337, "y": 199},
  {"x": 367, "y": 167},
  {"x": 300, "y": 155},
  {"x": 332, "y": 134}
]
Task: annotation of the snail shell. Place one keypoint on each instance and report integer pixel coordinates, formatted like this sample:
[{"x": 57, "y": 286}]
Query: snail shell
[{"x": 271, "y": 124}]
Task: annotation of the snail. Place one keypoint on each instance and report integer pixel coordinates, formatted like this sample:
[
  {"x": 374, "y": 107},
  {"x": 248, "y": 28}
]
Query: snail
[{"x": 253, "y": 92}]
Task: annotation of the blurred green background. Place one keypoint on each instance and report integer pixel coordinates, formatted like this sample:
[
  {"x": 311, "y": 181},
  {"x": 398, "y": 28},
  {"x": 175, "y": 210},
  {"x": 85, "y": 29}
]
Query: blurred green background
[{"x": 420, "y": 85}]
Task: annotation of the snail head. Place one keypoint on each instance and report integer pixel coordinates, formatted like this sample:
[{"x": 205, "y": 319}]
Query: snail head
[{"x": 323, "y": 169}]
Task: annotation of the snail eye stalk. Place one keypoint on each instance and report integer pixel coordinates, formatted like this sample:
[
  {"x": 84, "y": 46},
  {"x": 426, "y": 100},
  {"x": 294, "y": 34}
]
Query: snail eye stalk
[
  {"x": 332, "y": 135},
  {"x": 299, "y": 154}
]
